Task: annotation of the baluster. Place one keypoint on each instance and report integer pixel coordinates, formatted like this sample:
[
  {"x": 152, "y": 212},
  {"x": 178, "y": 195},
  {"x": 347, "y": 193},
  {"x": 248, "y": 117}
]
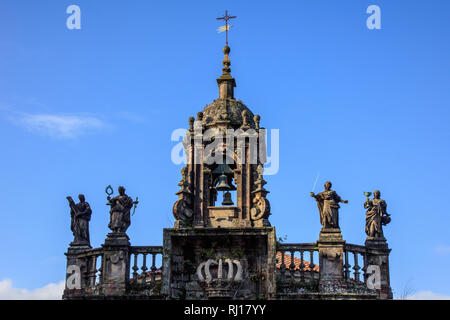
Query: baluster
[
  {"x": 144, "y": 268},
  {"x": 153, "y": 267},
  {"x": 302, "y": 267},
  {"x": 93, "y": 271},
  {"x": 100, "y": 270},
  {"x": 346, "y": 267},
  {"x": 356, "y": 267},
  {"x": 282, "y": 266},
  {"x": 135, "y": 268},
  {"x": 292, "y": 267},
  {"x": 364, "y": 269},
  {"x": 311, "y": 264}
]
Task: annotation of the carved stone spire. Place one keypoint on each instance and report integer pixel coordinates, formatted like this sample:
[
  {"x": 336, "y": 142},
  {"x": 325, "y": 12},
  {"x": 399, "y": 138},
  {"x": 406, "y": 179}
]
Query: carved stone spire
[{"x": 226, "y": 82}]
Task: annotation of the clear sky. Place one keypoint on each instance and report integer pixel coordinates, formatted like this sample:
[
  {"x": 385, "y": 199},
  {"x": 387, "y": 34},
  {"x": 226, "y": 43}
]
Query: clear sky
[{"x": 81, "y": 109}]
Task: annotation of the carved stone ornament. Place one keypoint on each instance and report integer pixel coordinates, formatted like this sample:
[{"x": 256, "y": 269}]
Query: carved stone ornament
[
  {"x": 260, "y": 205},
  {"x": 115, "y": 258},
  {"x": 230, "y": 275},
  {"x": 217, "y": 284},
  {"x": 260, "y": 208},
  {"x": 182, "y": 209}
]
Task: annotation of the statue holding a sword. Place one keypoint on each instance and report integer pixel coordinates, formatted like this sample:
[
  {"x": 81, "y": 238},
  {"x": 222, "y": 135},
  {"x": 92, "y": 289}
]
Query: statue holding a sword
[{"x": 328, "y": 204}]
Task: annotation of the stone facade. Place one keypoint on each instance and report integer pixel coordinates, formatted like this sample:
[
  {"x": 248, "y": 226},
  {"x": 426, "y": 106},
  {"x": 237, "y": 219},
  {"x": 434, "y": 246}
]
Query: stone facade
[
  {"x": 223, "y": 263},
  {"x": 229, "y": 250}
]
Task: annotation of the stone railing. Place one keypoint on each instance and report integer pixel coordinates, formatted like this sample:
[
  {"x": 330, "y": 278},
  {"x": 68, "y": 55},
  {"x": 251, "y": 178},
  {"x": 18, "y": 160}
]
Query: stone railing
[
  {"x": 296, "y": 266},
  {"x": 303, "y": 270},
  {"x": 86, "y": 271},
  {"x": 299, "y": 269},
  {"x": 144, "y": 272},
  {"x": 88, "y": 275},
  {"x": 352, "y": 266},
  {"x": 94, "y": 269}
]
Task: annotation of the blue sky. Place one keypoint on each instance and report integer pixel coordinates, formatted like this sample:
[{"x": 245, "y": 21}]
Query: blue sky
[{"x": 81, "y": 109}]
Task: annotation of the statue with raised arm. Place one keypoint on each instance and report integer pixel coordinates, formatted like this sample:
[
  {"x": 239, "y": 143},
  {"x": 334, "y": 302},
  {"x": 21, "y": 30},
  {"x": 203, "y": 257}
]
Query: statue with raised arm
[
  {"x": 376, "y": 215},
  {"x": 120, "y": 211},
  {"x": 328, "y": 203},
  {"x": 80, "y": 214}
]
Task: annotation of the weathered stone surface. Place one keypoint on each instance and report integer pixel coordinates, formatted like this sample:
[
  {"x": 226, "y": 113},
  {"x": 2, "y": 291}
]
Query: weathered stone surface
[
  {"x": 116, "y": 264},
  {"x": 221, "y": 110},
  {"x": 378, "y": 255},
  {"x": 331, "y": 252},
  {"x": 198, "y": 262}
]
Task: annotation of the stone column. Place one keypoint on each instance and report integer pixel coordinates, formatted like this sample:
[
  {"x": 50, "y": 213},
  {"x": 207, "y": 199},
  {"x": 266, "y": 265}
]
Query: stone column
[
  {"x": 116, "y": 264},
  {"x": 76, "y": 270},
  {"x": 377, "y": 267},
  {"x": 331, "y": 249}
]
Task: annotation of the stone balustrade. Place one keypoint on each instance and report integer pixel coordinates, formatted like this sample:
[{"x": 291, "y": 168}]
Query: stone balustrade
[{"x": 297, "y": 272}]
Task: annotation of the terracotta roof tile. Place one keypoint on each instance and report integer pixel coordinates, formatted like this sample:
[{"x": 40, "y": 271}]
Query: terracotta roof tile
[{"x": 297, "y": 262}]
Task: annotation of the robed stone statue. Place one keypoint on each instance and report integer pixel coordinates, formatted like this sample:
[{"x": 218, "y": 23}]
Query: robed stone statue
[
  {"x": 80, "y": 214},
  {"x": 120, "y": 211},
  {"x": 328, "y": 203},
  {"x": 376, "y": 215}
]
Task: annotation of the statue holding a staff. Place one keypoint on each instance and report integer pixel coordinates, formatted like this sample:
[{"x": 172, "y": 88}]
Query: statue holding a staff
[{"x": 120, "y": 210}]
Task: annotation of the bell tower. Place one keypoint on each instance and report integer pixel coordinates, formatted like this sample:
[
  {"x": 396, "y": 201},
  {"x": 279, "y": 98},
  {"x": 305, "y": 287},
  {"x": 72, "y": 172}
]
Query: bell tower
[
  {"x": 226, "y": 151},
  {"x": 222, "y": 214}
]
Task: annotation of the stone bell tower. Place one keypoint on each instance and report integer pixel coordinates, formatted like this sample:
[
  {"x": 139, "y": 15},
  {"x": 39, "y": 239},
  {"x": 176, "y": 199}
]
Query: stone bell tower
[
  {"x": 226, "y": 150},
  {"x": 222, "y": 244}
]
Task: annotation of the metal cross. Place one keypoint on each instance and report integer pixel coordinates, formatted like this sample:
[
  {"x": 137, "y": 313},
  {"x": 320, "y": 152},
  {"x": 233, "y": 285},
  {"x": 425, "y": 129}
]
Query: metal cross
[{"x": 226, "y": 17}]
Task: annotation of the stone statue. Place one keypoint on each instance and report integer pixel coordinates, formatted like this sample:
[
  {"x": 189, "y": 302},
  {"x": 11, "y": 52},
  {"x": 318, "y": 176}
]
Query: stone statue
[
  {"x": 120, "y": 211},
  {"x": 260, "y": 205},
  {"x": 376, "y": 215},
  {"x": 183, "y": 212},
  {"x": 80, "y": 214},
  {"x": 328, "y": 203},
  {"x": 182, "y": 209}
]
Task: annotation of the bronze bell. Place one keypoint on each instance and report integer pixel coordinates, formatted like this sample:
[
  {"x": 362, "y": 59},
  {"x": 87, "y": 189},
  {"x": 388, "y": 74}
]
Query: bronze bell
[
  {"x": 227, "y": 201},
  {"x": 223, "y": 185}
]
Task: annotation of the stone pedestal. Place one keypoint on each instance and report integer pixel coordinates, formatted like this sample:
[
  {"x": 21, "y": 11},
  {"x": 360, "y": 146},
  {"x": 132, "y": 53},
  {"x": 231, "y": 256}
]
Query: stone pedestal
[
  {"x": 75, "y": 271},
  {"x": 219, "y": 263},
  {"x": 116, "y": 264},
  {"x": 331, "y": 251},
  {"x": 378, "y": 266}
]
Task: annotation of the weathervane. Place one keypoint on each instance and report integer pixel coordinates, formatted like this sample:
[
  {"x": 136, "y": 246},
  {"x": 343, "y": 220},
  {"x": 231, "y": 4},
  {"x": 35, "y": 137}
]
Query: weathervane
[{"x": 226, "y": 27}]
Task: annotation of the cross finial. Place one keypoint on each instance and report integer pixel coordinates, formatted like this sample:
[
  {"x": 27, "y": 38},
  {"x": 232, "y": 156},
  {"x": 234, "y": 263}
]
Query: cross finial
[{"x": 226, "y": 17}]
